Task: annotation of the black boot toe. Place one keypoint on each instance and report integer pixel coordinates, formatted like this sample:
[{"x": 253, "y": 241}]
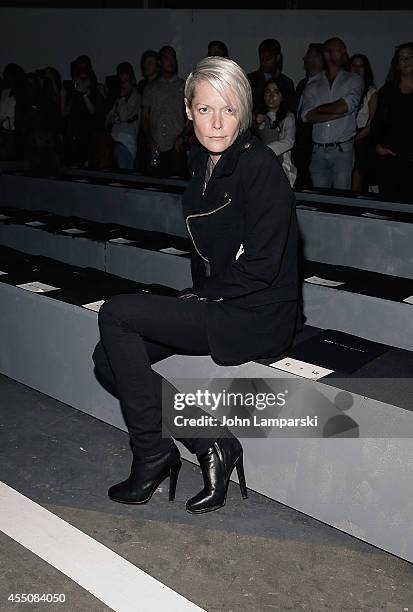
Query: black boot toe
[
  {"x": 217, "y": 464},
  {"x": 146, "y": 475}
]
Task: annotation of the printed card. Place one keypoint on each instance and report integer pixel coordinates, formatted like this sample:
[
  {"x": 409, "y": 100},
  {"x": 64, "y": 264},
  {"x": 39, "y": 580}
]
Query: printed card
[
  {"x": 121, "y": 240},
  {"x": 301, "y": 368},
  {"x": 37, "y": 287},
  {"x": 74, "y": 230},
  {"x": 173, "y": 251},
  {"x": 94, "y": 305},
  {"x": 305, "y": 207},
  {"x": 325, "y": 282},
  {"x": 371, "y": 215}
]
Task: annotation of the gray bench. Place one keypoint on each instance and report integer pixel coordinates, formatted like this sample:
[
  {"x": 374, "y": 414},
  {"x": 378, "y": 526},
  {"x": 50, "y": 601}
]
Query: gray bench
[{"x": 357, "y": 485}]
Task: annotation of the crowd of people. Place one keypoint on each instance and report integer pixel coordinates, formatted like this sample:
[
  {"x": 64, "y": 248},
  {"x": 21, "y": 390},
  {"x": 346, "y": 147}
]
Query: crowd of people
[{"x": 335, "y": 129}]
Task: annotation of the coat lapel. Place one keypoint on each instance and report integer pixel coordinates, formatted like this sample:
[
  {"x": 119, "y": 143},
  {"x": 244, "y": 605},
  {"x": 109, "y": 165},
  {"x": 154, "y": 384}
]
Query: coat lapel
[{"x": 225, "y": 167}]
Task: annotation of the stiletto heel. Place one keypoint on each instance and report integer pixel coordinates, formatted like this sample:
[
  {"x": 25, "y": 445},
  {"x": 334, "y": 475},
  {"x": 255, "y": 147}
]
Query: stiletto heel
[
  {"x": 173, "y": 479},
  {"x": 241, "y": 476}
]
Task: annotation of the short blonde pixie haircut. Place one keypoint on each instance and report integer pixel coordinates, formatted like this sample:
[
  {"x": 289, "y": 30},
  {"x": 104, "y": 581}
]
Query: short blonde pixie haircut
[{"x": 229, "y": 80}]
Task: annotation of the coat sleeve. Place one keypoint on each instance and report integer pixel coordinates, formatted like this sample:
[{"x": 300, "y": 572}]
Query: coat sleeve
[{"x": 269, "y": 206}]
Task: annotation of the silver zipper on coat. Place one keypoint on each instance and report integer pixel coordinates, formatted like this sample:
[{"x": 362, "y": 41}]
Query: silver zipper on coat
[{"x": 203, "y": 215}]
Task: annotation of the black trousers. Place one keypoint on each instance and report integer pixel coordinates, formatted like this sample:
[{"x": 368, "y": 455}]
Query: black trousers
[
  {"x": 136, "y": 331},
  {"x": 395, "y": 177}
]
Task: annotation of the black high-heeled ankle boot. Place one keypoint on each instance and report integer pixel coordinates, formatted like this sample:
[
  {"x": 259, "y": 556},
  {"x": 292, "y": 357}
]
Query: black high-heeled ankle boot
[
  {"x": 146, "y": 475},
  {"x": 217, "y": 464}
]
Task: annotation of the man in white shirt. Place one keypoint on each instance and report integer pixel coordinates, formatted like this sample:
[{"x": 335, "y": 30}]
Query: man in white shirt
[{"x": 330, "y": 102}]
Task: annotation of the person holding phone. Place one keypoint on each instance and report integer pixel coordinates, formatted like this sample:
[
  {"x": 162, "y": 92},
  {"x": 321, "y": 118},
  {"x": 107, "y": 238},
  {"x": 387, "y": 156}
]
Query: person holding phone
[{"x": 82, "y": 108}]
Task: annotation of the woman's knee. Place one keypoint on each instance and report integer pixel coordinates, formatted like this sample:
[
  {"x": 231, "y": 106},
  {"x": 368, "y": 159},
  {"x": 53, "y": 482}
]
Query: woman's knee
[
  {"x": 102, "y": 369},
  {"x": 128, "y": 310},
  {"x": 98, "y": 356},
  {"x": 112, "y": 309}
]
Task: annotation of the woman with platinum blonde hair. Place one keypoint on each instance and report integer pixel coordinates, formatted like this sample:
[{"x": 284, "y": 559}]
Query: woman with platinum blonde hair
[
  {"x": 229, "y": 80},
  {"x": 239, "y": 211}
]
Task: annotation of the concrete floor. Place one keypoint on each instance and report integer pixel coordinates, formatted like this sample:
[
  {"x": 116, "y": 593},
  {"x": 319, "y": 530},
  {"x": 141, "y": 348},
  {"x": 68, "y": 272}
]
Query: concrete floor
[{"x": 251, "y": 555}]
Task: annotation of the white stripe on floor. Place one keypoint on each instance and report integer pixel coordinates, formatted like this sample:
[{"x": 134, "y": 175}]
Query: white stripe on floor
[{"x": 108, "y": 576}]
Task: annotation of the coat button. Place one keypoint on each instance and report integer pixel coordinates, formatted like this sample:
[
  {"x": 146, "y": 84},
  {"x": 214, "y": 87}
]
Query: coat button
[{"x": 247, "y": 145}]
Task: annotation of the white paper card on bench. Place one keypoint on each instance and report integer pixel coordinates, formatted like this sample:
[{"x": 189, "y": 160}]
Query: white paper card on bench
[
  {"x": 121, "y": 240},
  {"x": 370, "y": 215},
  {"x": 37, "y": 287},
  {"x": 94, "y": 305},
  {"x": 305, "y": 207},
  {"x": 4, "y": 217},
  {"x": 173, "y": 251},
  {"x": 74, "y": 230},
  {"x": 35, "y": 223},
  {"x": 317, "y": 280},
  {"x": 1, "y": 272},
  {"x": 408, "y": 300},
  {"x": 301, "y": 368}
]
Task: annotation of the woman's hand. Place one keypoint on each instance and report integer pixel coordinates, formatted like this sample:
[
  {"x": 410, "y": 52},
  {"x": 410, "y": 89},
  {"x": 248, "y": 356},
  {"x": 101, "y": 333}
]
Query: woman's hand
[{"x": 382, "y": 151}]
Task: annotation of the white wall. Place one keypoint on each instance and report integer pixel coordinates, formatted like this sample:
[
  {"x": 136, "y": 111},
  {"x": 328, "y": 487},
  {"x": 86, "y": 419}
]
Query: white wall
[{"x": 38, "y": 37}]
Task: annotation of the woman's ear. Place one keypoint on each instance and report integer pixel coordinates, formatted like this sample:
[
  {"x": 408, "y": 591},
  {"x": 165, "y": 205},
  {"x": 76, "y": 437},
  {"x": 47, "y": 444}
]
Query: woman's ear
[{"x": 188, "y": 109}]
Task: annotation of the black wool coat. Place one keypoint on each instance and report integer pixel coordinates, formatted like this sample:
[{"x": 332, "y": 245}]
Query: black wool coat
[{"x": 244, "y": 243}]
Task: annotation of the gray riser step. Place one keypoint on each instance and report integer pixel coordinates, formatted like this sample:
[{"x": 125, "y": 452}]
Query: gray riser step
[
  {"x": 151, "y": 210},
  {"x": 366, "y": 316},
  {"x": 380, "y": 245},
  {"x": 77, "y": 251},
  {"x": 134, "y": 263},
  {"x": 121, "y": 177},
  {"x": 374, "y": 318},
  {"x": 377, "y": 245},
  {"x": 47, "y": 344}
]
